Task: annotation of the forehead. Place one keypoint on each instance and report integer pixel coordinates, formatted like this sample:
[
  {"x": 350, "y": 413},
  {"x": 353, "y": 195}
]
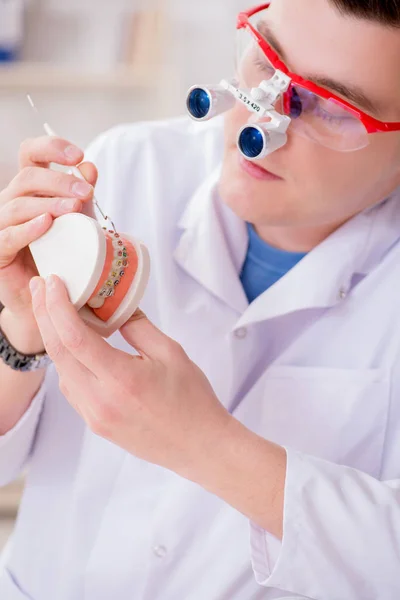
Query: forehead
[{"x": 320, "y": 42}]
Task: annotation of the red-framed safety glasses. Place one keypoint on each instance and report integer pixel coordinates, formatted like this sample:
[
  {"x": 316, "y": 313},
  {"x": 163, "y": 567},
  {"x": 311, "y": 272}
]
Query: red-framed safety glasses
[{"x": 316, "y": 112}]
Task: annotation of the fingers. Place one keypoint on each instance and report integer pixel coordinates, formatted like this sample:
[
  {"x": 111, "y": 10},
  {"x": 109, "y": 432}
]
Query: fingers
[
  {"x": 68, "y": 367},
  {"x": 89, "y": 348},
  {"x": 44, "y": 150},
  {"x": 21, "y": 210},
  {"x": 149, "y": 341},
  {"x": 89, "y": 171},
  {"x": 13, "y": 239},
  {"x": 32, "y": 181}
]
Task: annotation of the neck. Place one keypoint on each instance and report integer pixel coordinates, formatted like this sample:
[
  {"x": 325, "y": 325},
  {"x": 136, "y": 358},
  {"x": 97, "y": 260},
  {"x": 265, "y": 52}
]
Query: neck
[{"x": 295, "y": 239}]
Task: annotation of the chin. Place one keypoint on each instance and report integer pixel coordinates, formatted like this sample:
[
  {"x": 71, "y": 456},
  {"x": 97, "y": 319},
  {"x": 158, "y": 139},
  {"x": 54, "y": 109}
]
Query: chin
[{"x": 251, "y": 201}]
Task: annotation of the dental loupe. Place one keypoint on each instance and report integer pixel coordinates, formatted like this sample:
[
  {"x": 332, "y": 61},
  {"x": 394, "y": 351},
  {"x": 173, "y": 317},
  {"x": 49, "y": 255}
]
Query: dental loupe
[{"x": 266, "y": 130}]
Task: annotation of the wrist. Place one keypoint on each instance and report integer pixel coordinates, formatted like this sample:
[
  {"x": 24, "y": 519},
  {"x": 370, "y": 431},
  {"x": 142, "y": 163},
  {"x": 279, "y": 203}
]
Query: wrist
[
  {"x": 248, "y": 472},
  {"x": 22, "y": 332},
  {"x": 226, "y": 460}
]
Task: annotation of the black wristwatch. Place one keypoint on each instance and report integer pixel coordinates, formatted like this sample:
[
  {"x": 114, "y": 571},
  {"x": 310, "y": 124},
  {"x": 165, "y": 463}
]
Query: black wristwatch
[{"x": 18, "y": 361}]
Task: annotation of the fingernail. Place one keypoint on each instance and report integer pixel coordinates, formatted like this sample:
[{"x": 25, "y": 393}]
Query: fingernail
[
  {"x": 82, "y": 189},
  {"x": 72, "y": 153},
  {"x": 68, "y": 204},
  {"x": 34, "y": 285},
  {"x": 51, "y": 282},
  {"x": 40, "y": 219}
]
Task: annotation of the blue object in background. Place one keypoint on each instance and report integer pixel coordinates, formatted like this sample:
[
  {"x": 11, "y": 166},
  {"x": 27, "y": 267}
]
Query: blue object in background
[
  {"x": 8, "y": 55},
  {"x": 11, "y": 29}
]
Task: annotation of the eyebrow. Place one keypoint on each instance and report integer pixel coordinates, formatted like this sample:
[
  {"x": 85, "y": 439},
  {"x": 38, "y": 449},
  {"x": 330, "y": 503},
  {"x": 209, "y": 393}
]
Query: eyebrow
[{"x": 352, "y": 93}]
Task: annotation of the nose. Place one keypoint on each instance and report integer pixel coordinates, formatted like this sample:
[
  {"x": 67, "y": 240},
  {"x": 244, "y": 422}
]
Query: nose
[
  {"x": 279, "y": 106},
  {"x": 254, "y": 118}
]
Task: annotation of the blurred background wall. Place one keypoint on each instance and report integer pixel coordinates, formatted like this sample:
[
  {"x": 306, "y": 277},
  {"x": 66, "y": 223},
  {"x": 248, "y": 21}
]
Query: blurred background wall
[{"x": 90, "y": 64}]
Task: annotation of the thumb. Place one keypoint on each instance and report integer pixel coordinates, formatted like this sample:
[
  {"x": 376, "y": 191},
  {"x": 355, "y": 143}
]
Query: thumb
[
  {"x": 146, "y": 338},
  {"x": 89, "y": 171}
]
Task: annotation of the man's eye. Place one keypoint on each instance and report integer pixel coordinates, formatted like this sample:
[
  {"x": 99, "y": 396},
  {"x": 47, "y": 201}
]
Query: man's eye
[
  {"x": 262, "y": 65},
  {"x": 329, "y": 117},
  {"x": 329, "y": 111}
]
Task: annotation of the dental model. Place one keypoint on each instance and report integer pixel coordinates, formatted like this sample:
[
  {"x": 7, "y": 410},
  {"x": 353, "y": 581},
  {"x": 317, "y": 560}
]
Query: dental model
[{"x": 105, "y": 272}]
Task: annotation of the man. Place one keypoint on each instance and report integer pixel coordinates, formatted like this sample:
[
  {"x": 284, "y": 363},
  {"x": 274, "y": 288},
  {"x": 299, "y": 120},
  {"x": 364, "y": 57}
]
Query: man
[{"x": 266, "y": 381}]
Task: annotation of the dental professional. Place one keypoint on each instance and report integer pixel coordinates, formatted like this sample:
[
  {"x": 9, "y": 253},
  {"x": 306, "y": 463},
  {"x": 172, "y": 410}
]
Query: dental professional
[{"x": 239, "y": 439}]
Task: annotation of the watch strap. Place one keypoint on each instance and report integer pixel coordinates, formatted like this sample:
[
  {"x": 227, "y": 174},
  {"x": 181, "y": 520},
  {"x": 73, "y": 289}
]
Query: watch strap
[{"x": 19, "y": 361}]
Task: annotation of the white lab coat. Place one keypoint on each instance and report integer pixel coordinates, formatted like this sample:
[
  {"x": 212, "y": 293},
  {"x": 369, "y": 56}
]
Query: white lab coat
[{"x": 312, "y": 364}]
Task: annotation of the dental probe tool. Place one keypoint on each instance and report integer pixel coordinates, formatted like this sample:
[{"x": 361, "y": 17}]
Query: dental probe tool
[{"x": 72, "y": 170}]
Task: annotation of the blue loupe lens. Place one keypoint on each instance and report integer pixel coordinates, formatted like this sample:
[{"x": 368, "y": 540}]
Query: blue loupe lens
[
  {"x": 199, "y": 103},
  {"x": 251, "y": 142}
]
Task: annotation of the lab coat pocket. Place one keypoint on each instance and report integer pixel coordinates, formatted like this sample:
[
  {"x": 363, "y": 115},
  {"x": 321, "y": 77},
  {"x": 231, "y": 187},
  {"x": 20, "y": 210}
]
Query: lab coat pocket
[
  {"x": 336, "y": 414},
  {"x": 9, "y": 589}
]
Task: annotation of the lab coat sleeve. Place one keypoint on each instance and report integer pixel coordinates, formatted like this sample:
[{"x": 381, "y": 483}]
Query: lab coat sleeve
[
  {"x": 16, "y": 444},
  {"x": 341, "y": 537},
  {"x": 106, "y": 151}
]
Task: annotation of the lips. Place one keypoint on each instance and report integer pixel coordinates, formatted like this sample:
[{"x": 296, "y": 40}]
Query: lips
[{"x": 256, "y": 171}]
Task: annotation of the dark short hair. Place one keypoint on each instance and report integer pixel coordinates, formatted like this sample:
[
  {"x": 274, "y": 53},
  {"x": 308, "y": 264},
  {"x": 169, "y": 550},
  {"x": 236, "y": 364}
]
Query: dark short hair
[{"x": 386, "y": 12}]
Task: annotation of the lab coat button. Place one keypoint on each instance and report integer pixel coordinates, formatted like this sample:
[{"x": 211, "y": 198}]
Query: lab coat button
[
  {"x": 241, "y": 333},
  {"x": 342, "y": 293},
  {"x": 160, "y": 551}
]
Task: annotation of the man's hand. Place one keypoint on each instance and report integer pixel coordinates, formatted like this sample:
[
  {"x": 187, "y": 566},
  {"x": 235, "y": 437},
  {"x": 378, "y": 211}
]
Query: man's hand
[{"x": 159, "y": 406}]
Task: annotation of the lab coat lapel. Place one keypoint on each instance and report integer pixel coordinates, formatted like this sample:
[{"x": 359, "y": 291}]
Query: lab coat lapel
[
  {"x": 213, "y": 245},
  {"x": 326, "y": 275},
  {"x": 320, "y": 280}
]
